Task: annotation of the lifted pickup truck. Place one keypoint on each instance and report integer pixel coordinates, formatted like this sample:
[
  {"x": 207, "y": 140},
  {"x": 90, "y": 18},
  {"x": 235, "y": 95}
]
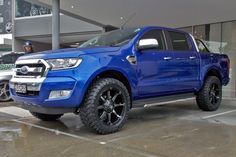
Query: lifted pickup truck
[{"x": 108, "y": 75}]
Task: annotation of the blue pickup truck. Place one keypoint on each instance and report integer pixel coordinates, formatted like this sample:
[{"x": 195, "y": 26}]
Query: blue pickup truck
[{"x": 110, "y": 74}]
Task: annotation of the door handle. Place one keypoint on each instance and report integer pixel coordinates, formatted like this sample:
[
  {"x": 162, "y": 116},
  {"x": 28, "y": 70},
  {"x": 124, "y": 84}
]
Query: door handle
[
  {"x": 180, "y": 58},
  {"x": 167, "y": 58},
  {"x": 192, "y": 57}
]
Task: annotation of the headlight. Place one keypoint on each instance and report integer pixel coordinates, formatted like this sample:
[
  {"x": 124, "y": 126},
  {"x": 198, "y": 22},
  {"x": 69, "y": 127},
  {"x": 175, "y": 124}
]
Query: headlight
[{"x": 67, "y": 63}]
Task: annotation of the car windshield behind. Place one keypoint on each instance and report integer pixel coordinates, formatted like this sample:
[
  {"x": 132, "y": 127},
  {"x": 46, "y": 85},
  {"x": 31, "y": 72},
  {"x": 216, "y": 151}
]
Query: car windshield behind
[
  {"x": 7, "y": 60},
  {"x": 113, "y": 38}
]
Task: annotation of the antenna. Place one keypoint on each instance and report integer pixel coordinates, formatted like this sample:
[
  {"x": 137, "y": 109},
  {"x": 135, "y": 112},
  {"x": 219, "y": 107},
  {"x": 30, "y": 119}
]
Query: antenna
[{"x": 128, "y": 20}]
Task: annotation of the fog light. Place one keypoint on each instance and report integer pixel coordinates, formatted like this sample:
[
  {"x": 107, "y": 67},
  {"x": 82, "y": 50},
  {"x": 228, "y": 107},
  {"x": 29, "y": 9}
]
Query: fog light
[{"x": 59, "y": 94}]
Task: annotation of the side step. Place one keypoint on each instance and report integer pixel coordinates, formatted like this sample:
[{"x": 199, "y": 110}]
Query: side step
[{"x": 163, "y": 100}]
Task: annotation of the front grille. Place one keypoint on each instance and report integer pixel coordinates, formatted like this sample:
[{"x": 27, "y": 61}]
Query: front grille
[{"x": 30, "y": 70}]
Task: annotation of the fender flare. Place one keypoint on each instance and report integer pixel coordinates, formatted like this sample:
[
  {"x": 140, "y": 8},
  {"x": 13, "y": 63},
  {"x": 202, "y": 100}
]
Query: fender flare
[
  {"x": 102, "y": 70},
  {"x": 211, "y": 68}
]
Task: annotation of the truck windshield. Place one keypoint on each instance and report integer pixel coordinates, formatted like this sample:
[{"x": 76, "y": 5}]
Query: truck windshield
[{"x": 114, "y": 38}]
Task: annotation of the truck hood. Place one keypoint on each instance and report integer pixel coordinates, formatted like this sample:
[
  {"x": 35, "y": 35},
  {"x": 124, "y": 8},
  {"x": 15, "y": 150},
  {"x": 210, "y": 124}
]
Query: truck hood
[{"x": 69, "y": 53}]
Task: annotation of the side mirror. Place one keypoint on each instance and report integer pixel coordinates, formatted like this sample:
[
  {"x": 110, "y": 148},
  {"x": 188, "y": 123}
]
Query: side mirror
[{"x": 145, "y": 44}]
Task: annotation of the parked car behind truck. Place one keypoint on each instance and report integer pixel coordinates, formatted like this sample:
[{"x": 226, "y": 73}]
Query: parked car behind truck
[
  {"x": 114, "y": 72},
  {"x": 7, "y": 61}
]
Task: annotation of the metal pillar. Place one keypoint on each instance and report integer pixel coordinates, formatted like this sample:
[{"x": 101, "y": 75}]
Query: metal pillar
[
  {"x": 55, "y": 24},
  {"x": 13, "y": 25}
]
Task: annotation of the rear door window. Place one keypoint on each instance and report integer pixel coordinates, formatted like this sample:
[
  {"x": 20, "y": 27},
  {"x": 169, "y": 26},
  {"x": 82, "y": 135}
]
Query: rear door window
[{"x": 179, "y": 41}]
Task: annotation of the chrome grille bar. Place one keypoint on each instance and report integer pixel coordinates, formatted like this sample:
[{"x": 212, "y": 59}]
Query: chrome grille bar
[{"x": 32, "y": 68}]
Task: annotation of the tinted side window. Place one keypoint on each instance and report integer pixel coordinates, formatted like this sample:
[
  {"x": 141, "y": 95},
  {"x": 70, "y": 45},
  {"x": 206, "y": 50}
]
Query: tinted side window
[
  {"x": 155, "y": 34},
  {"x": 179, "y": 41}
]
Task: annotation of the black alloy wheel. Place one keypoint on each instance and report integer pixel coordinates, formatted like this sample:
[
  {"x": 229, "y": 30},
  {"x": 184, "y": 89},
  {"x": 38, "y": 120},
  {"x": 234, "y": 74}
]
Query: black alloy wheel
[
  {"x": 210, "y": 96},
  {"x": 214, "y": 94},
  {"x": 105, "y": 106},
  {"x": 111, "y": 106}
]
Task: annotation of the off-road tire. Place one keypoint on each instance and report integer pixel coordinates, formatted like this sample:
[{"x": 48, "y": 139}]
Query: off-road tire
[
  {"x": 204, "y": 97},
  {"x": 46, "y": 117},
  {"x": 89, "y": 110}
]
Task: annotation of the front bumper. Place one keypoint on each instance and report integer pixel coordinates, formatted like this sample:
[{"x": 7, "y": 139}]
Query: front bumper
[
  {"x": 41, "y": 88},
  {"x": 46, "y": 110}
]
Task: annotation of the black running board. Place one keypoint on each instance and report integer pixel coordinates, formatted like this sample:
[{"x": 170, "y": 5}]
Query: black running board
[{"x": 162, "y": 100}]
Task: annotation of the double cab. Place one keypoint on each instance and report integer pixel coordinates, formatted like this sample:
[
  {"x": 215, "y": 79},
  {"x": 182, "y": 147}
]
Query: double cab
[{"x": 112, "y": 73}]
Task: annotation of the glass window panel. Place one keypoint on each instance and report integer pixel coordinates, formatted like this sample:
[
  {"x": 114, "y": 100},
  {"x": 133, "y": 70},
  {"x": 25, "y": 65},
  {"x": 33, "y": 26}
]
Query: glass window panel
[
  {"x": 211, "y": 35},
  {"x": 200, "y": 32},
  {"x": 24, "y": 8},
  {"x": 214, "y": 39},
  {"x": 229, "y": 48},
  {"x": 179, "y": 41}
]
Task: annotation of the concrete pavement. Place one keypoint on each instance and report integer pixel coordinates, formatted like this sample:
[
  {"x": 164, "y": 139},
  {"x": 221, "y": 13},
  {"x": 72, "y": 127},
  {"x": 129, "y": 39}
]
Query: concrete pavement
[{"x": 173, "y": 130}]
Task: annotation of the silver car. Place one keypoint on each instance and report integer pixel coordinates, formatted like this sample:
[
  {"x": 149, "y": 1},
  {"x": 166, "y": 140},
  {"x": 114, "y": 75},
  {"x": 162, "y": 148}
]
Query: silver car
[
  {"x": 7, "y": 61},
  {"x": 5, "y": 76}
]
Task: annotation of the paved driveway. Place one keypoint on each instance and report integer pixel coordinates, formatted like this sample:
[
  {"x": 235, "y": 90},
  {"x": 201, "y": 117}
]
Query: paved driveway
[{"x": 173, "y": 130}]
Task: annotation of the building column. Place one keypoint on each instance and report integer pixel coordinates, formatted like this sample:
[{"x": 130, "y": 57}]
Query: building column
[
  {"x": 13, "y": 25},
  {"x": 55, "y": 24}
]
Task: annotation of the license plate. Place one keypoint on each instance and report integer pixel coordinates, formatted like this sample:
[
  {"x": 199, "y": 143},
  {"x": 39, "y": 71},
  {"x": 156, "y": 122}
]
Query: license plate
[{"x": 20, "y": 88}]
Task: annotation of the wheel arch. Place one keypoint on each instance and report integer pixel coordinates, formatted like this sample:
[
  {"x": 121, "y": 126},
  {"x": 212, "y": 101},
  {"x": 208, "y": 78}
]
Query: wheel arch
[
  {"x": 213, "y": 72},
  {"x": 203, "y": 95},
  {"x": 5, "y": 78},
  {"x": 116, "y": 75},
  {"x": 112, "y": 73}
]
